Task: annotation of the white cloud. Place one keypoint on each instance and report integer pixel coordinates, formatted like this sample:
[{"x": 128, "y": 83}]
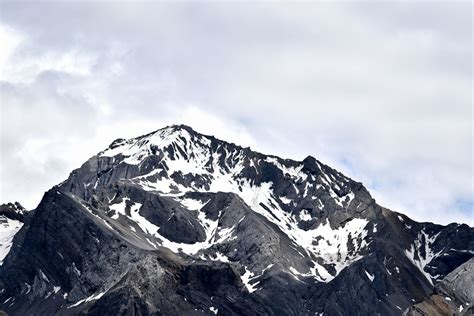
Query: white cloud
[{"x": 10, "y": 40}]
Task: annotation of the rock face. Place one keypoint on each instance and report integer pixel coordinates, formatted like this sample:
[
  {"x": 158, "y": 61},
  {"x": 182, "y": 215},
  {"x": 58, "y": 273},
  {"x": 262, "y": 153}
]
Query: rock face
[
  {"x": 179, "y": 223},
  {"x": 454, "y": 295}
]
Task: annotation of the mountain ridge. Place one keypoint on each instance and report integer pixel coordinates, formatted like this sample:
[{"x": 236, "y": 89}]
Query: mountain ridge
[
  {"x": 278, "y": 236},
  {"x": 307, "y": 158}
]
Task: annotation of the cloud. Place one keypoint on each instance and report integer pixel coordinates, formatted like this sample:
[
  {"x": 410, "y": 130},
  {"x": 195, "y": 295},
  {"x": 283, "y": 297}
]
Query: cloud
[
  {"x": 380, "y": 91},
  {"x": 10, "y": 41}
]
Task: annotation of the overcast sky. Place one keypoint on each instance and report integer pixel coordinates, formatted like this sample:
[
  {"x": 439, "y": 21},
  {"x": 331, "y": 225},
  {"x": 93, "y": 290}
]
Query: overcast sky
[{"x": 382, "y": 91}]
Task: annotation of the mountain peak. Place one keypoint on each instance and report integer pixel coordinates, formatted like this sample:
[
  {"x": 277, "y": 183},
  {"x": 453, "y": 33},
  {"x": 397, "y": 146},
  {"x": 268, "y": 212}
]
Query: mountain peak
[
  {"x": 174, "y": 129},
  {"x": 161, "y": 137},
  {"x": 177, "y": 160},
  {"x": 180, "y": 141},
  {"x": 178, "y": 127}
]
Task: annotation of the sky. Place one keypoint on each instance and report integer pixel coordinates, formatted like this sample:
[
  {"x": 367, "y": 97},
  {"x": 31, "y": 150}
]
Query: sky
[{"x": 381, "y": 91}]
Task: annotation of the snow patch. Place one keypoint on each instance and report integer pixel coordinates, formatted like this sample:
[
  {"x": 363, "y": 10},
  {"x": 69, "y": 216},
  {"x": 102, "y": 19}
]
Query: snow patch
[
  {"x": 8, "y": 230},
  {"x": 331, "y": 244},
  {"x": 246, "y": 278},
  {"x": 220, "y": 257},
  {"x": 370, "y": 276},
  {"x": 285, "y": 200},
  {"x": 88, "y": 299},
  {"x": 305, "y": 216},
  {"x": 294, "y": 172}
]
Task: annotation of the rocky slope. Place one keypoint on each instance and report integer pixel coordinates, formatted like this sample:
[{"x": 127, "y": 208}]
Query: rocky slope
[
  {"x": 454, "y": 295},
  {"x": 179, "y": 223}
]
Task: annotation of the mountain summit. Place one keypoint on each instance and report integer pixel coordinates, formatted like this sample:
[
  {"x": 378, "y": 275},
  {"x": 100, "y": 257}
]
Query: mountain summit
[{"x": 179, "y": 223}]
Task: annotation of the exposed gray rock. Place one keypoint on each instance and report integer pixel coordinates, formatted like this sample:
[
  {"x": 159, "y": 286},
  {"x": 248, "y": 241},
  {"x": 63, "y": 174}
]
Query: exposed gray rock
[
  {"x": 454, "y": 295},
  {"x": 459, "y": 284}
]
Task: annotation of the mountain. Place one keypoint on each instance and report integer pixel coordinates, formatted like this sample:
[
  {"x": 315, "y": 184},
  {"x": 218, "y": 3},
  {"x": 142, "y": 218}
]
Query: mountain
[{"x": 179, "y": 223}]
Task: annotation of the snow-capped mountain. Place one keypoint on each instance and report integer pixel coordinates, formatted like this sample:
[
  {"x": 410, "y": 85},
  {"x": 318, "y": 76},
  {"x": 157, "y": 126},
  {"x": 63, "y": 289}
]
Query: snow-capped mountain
[{"x": 179, "y": 223}]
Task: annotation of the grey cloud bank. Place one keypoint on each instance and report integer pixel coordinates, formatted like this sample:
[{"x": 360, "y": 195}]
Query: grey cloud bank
[{"x": 382, "y": 92}]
